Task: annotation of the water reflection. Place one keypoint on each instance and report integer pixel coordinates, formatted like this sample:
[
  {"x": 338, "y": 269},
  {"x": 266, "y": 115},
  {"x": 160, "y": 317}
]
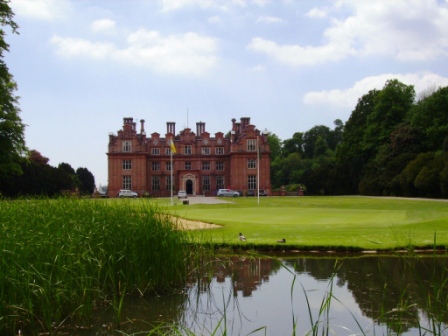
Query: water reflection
[{"x": 371, "y": 295}]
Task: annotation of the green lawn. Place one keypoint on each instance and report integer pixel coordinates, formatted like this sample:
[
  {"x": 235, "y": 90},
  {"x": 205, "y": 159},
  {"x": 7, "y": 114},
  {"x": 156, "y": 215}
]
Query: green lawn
[{"x": 371, "y": 223}]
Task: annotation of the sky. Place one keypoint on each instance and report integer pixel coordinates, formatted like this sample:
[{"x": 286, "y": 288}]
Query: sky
[{"x": 83, "y": 65}]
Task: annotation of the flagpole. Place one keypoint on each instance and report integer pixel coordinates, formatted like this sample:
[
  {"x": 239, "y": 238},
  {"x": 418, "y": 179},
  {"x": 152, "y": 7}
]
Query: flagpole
[
  {"x": 171, "y": 184},
  {"x": 258, "y": 170}
]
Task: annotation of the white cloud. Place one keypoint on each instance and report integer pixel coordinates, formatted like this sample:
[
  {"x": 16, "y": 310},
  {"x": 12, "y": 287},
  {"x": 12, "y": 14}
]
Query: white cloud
[
  {"x": 349, "y": 97},
  {"x": 269, "y": 19},
  {"x": 261, "y": 3},
  {"x": 187, "y": 53},
  {"x": 41, "y": 9},
  {"x": 408, "y": 30},
  {"x": 318, "y": 12},
  {"x": 214, "y": 19},
  {"x": 169, "y": 5},
  {"x": 259, "y": 68},
  {"x": 103, "y": 26},
  {"x": 296, "y": 55}
]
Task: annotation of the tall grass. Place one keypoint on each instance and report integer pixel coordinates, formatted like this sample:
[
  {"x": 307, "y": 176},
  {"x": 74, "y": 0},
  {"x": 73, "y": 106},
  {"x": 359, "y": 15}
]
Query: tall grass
[{"x": 61, "y": 259}]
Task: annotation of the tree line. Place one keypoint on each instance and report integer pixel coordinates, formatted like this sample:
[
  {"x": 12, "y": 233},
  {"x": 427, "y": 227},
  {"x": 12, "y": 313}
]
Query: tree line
[
  {"x": 393, "y": 144},
  {"x": 37, "y": 177}
]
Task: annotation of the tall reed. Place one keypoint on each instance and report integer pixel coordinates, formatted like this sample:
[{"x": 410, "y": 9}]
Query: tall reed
[{"x": 60, "y": 259}]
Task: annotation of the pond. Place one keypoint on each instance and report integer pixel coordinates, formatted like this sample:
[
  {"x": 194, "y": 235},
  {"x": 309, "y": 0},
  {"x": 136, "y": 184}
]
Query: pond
[{"x": 372, "y": 295}]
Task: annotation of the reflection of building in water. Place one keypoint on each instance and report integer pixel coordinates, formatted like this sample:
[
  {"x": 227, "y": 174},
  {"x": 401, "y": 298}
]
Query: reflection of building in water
[{"x": 246, "y": 274}]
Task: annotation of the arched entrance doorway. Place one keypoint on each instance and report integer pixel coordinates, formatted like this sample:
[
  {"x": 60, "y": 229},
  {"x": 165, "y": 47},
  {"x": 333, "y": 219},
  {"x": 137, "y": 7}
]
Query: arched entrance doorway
[{"x": 189, "y": 187}]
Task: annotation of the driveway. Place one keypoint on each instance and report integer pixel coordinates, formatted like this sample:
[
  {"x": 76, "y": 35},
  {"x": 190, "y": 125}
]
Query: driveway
[{"x": 205, "y": 200}]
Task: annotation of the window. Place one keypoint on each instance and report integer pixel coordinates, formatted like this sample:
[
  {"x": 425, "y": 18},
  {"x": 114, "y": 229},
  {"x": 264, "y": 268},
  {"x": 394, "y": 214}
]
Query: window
[
  {"x": 252, "y": 182},
  {"x": 205, "y": 165},
  {"x": 127, "y": 146},
  {"x": 251, "y": 145},
  {"x": 155, "y": 183},
  {"x": 219, "y": 150},
  {"x": 205, "y": 150},
  {"x": 219, "y": 182},
  {"x": 155, "y": 151},
  {"x": 127, "y": 164},
  {"x": 127, "y": 182},
  {"x": 188, "y": 165},
  {"x": 220, "y": 166},
  {"x": 167, "y": 151},
  {"x": 205, "y": 183},
  {"x": 168, "y": 166},
  {"x": 251, "y": 163},
  {"x": 187, "y": 150},
  {"x": 155, "y": 166},
  {"x": 168, "y": 183}
]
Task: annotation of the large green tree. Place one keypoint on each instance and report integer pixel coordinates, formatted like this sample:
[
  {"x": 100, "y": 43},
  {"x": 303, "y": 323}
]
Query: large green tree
[
  {"x": 392, "y": 104},
  {"x": 12, "y": 141},
  {"x": 430, "y": 116}
]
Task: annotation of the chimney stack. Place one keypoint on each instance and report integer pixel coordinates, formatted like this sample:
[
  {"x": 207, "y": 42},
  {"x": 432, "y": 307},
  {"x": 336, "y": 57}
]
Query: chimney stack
[
  {"x": 142, "y": 127},
  {"x": 244, "y": 122},
  {"x": 171, "y": 127},
  {"x": 200, "y": 128}
]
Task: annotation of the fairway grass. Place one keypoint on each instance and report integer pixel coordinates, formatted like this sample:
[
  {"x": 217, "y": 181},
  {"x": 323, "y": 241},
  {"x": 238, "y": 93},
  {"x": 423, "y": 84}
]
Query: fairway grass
[{"x": 323, "y": 222}]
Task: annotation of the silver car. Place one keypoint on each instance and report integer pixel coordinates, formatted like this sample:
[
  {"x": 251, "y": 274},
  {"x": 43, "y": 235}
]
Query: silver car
[
  {"x": 182, "y": 194},
  {"x": 127, "y": 193},
  {"x": 227, "y": 193}
]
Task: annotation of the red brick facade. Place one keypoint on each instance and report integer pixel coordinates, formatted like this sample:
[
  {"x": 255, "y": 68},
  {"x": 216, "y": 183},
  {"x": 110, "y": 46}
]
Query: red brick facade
[{"x": 202, "y": 164}]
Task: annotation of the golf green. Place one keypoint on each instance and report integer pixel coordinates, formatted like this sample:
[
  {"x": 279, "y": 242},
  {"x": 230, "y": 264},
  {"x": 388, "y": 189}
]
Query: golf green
[{"x": 362, "y": 222}]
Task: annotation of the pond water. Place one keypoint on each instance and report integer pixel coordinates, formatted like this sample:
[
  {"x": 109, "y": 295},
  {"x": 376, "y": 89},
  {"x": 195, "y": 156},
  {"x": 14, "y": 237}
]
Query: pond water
[{"x": 358, "y": 295}]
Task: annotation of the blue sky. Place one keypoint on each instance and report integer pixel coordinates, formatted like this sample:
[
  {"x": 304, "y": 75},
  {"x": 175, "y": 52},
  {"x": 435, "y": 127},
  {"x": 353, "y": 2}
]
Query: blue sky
[{"x": 84, "y": 65}]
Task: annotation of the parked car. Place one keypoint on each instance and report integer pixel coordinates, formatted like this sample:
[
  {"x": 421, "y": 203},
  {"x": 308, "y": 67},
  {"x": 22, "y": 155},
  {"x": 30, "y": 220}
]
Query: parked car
[
  {"x": 250, "y": 193},
  {"x": 262, "y": 193},
  {"x": 227, "y": 193},
  {"x": 182, "y": 194},
  {"x": 127, "y": 193}
]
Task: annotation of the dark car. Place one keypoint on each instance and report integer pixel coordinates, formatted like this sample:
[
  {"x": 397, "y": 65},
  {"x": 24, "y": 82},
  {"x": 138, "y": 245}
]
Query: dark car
[
  {"x": 250, "y": 193},
  {"x": 262, "y": 193}
]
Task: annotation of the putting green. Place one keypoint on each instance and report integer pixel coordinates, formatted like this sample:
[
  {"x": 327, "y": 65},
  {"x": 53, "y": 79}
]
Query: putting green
[{"x": 370, "y": 223}]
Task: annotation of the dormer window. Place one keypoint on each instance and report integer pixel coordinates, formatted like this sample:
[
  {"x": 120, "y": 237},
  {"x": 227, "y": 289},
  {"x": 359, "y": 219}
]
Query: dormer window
[
  {"x": 126, "y": 146},
  {"x": 155, "y": 151},
  {"x": 187, "y": 150},
  {"x": 205, "y": 150},
  {"x": 219, "y": 150},
  {"x": 251, "y": 145}
]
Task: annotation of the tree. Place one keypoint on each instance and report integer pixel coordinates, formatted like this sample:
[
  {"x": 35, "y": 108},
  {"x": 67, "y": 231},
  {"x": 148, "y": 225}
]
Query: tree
[
  {"x": 311, "y": 137},
  {"x": 274, "y": 145},
  {"x": 350, "y": 148},
  {"x": 293, "y": 145},
  {"x": 12, "y": 139},
  {"x": 430, "y": 116},
  {"x": 35, "y": 156},
  {"x": 87, "y": 180},
  {"x": 67, "y": 168},
  {"x": 391, "y": 106}
]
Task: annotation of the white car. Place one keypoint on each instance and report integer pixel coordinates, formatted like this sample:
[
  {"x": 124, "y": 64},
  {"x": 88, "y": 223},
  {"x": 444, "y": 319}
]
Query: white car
[
  {"x": 182, "y": 194},
  {"x": 127, "y": 193},
  {"x": 227, "y": 193}
]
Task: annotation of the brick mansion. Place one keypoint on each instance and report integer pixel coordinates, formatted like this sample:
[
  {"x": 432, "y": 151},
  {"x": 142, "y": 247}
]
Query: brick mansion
[{"x": 201, "y": 165}]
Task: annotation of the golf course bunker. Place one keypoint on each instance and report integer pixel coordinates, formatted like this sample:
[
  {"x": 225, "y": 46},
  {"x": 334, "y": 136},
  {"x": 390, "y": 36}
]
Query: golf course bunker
[{"x": 186, "y": 224}]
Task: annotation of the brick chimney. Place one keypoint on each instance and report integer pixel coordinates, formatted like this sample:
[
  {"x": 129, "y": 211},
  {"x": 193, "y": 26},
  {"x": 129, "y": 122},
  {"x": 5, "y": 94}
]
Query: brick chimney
[
  {"x": 200, "y": 128},
  {"x": 244, "y": 122},
  {"x": 171, "y": 127},
  {"x": 142, "y": 126}
]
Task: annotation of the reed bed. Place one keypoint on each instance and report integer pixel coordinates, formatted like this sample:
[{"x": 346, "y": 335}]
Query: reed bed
[{"x": 61, "y": 259}]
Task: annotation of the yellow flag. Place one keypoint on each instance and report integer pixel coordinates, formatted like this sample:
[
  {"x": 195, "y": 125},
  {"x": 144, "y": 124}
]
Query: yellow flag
[{"x": 173, "y": 148}]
